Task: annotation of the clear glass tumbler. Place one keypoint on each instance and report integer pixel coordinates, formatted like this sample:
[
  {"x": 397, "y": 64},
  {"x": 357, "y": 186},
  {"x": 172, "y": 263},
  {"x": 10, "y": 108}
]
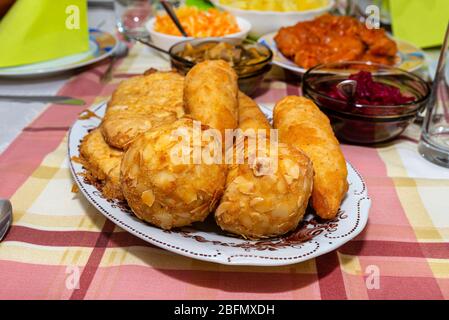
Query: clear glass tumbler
[
  {"x": 131, "y": 16},
  {"x": 434, "y": 143},
  {"x": 158, "y": 8}
]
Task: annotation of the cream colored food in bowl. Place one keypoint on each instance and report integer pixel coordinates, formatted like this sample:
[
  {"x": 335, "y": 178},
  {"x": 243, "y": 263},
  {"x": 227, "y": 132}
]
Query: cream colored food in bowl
[
  {"x": 166, "y": 41},
  {"x": 264, "y": 22}
]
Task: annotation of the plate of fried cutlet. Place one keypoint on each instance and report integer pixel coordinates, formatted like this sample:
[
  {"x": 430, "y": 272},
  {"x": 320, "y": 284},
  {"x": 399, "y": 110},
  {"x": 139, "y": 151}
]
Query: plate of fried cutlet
[
  {"x": 329, "y": 38},
  {"x": 194, "y": 166}
]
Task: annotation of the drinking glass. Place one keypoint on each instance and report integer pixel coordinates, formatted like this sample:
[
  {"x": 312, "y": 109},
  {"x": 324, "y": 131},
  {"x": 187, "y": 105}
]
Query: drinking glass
[
  {"x": 157, "y": 6},
  {"x": 131, "y": 16},
  {"x": 434, "y": 143}
]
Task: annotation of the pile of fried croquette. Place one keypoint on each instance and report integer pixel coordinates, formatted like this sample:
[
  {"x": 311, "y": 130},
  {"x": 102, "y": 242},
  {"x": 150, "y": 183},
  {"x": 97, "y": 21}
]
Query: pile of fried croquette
[{"x": 130, "y": 155}]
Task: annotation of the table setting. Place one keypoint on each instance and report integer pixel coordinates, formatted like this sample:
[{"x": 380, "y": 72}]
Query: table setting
[{"x": 224, "y": 150}]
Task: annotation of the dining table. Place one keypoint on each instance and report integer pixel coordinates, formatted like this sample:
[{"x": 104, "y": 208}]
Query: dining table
[{"x": 60, "y": 247}]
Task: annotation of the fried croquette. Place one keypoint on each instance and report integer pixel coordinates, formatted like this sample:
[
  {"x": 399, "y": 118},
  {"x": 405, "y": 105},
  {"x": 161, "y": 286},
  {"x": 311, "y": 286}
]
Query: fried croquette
[
  {"x": 102, "y": 164},
  {"x": 258, "y": 204},
  {"x": 301, "y": 124},
  {"x": 210, "y": 95},
  {"x": 163, "y": 190},
  {"x": 140, "y": 103},
  {"x": 250, "y": 116}
]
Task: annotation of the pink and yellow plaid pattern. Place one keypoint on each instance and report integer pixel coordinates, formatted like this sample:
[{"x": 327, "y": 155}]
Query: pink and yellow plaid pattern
[{"x": 57, "y": 235}]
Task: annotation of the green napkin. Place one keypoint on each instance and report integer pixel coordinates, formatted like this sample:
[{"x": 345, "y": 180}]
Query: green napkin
[
  {"x": 201, "y": 4},
  {"x": 34, "y": 31},
  {"x": 422, "y": 23}
]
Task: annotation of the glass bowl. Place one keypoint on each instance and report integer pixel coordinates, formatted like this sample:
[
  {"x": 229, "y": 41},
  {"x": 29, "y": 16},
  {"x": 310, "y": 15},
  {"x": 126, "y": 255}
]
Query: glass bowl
[
  {"x": 363, "y": 123},
  {"x": 249, "y": 76}
]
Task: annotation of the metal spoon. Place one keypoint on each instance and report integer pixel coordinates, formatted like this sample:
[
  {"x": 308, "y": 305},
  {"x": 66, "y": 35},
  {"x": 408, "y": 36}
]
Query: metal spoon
[
  {"x": 5, "y": 217},
  {"x": 121, "y": 51},
  {"x": 172, "y": 14},
  {"x": 149, "y": 44},
  {"x": 347, "y": 88}
]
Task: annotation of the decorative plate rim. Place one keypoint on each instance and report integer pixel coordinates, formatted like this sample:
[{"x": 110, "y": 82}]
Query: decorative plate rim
[{"x": 221, "y": 257}]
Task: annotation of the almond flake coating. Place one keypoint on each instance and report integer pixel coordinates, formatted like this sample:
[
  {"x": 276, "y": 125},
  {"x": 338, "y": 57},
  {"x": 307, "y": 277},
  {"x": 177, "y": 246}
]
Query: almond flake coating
[
  {"x": 140, "y": 103},
  {"x": 164, "y": 192}
]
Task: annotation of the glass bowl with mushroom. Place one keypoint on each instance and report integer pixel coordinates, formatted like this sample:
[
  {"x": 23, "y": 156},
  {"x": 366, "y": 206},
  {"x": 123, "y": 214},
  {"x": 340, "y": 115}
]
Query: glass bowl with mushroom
[{"x": 251, "y": 61}]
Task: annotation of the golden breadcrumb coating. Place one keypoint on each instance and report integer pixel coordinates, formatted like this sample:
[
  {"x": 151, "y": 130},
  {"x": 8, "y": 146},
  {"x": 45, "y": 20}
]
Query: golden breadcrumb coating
[
  {"x": 140, "y": 103},
  {"x": 121, "y": 127},
  {"x": 250, "y": 116},
  {"x": 162, "y": 191},
  {"x": 258, "y": 205},
  {"x": 210, "y": 94},
  {"x": 102, "y": 164},
  {"x": 303, "y": 125}
]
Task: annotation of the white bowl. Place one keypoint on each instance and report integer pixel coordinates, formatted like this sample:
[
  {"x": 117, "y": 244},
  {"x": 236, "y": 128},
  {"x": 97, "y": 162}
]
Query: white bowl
[
  {"x": 264, "y": 22},
  {"x": 165, "y": 41}
]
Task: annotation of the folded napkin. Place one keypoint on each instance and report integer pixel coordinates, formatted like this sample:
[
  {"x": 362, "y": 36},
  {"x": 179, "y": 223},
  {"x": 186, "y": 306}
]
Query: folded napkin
[
  {"x": 201, "y": 4},
  {"x": 34, "y": 31},
  {"x": 423, "y": 23}
]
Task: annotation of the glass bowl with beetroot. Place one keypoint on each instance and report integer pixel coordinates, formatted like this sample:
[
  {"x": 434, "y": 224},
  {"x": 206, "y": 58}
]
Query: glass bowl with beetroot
[{"x": 366, "y": 102}]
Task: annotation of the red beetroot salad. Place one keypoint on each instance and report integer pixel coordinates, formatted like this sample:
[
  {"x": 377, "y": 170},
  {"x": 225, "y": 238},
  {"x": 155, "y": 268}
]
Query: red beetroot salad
[{"x": 370, "y": 92}]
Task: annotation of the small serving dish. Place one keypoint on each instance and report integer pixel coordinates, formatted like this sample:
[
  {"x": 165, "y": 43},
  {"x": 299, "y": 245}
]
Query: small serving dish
[
  {"x": 250, "y": 60},
  {"x": 363, "y": 118},
  {"x": 166, "y": 41}
]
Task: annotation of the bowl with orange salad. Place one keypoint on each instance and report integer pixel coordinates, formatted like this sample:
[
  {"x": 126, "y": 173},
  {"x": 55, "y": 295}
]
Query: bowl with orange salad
[{"x": 198, "y": 24}]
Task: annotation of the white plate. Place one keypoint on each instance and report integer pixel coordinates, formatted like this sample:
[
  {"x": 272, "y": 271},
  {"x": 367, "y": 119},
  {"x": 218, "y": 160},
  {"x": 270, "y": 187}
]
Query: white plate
[
  {"x": 206, "y": 242},
  {"x": 409, "y": 57},
  {"x": 101, "y": 46}
]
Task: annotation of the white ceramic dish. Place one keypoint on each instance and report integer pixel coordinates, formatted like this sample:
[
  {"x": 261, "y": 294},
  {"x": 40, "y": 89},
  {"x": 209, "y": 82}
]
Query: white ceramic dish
[
  {"x": 264, "y": 22},
  {"x": 166, "y": 41},
  {"x": 101, "y": 45},
  {"x": 205, "y": 241}
]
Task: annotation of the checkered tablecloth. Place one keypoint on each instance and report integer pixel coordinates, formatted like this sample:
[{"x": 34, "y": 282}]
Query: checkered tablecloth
[{"x": 57, "y": 236}]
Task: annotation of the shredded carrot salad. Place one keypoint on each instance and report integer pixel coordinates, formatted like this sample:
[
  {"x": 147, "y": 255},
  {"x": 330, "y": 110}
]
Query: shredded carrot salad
[{"x": 198, "y": 23}]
